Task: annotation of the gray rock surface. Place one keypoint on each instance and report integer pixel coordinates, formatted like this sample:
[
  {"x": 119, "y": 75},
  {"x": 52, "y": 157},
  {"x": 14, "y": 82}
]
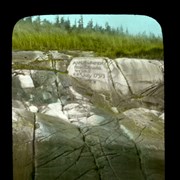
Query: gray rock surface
[
  {"x": 123, "y": 80},
  {"x": 29, "y": 55},
  {"x": 97, "y": 119}
]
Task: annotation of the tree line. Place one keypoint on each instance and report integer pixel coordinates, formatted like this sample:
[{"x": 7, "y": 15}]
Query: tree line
[
  {"x": 65, "y": 25},
  {"x": 32, "y": 33}
]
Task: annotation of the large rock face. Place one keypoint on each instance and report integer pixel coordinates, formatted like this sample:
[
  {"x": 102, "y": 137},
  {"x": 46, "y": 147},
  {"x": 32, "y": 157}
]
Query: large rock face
[
  {"x": 122, "y": 80},
  {"x": 88, "y": 118}
]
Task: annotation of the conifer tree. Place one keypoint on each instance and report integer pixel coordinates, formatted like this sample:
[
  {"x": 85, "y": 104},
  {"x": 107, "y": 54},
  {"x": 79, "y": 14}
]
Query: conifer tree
[{"x": 80, "y": 22}]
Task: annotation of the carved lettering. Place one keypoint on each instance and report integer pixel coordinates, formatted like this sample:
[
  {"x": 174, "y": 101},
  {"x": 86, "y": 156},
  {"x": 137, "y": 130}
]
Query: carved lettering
[
  {"x": 88, "y": 69},
  {"x": 99, "y": 76}
]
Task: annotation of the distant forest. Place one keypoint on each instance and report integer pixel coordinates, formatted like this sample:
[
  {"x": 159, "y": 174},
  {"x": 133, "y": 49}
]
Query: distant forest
[{"x": 61, "y": 35}]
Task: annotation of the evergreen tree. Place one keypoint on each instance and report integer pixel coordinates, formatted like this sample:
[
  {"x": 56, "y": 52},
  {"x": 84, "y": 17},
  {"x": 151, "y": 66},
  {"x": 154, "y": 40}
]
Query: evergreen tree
[
  {"x": 121, "y": 30},
  {"x": 90, "y": 25},
  {"x": 80, "y": 22},
  {"x": 74, "y": 26},
  {"x": 98, "y": 28},
  {"x": 107, "y": 27},
  {"x": 57, "y": 22},
  {"x": 37, "y": 20},
  {"x": 45, "y": 22},
  {"x": 46, "y": 25},
  {"x": 37, "y": 23},
  {"x": 67, "y": 24},
  {"x": 62, "y": 22}
]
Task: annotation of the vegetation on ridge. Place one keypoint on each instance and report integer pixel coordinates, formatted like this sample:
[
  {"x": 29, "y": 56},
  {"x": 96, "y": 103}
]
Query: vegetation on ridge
[{"x": 107, "y": 41}]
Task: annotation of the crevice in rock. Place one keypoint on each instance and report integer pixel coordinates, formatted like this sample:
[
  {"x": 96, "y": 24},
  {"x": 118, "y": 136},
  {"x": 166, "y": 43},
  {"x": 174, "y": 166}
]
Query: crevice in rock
[
  {"x": 110, "y": 75},
  {"x": 72, "y": 164},
  {"x": 57, "y": 89},
  {"x": 85, "y": 129},
  {"x": 150, "y": 90},
  {"x": 105, "y": 123},
  {"x": 109, "y": 162},
  {"x": 42, "y": 139},
  {"x": 30, "y": 73},
  {"x": 110, "y": 141},
  {"x": 34, "y": 148},
  {"x": 140, "y": 161},
  {"x": 97, "y": 168},
  {"x": 53, "y": 64},
  {"x": 59, "y": 155},
  {"x": 85, "y": 172},
  {"x": 138, "y": 153},
  {"x": 83, "y": 136},
  {"x": 131, "y": 91},
  {"x": 140, "y": 135},
  {"x": 58, "y": 93}
]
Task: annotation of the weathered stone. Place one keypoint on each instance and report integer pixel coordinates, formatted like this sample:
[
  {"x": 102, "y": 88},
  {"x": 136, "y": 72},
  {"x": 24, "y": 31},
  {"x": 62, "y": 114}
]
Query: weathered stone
[
  {"x": 61, "y": 150},
  {"x": 147, "y": 131},
  {"x": 102, "y": 120},
  {"x": 121, "y": 80},
  {"x": 54, "y": 109},
  {"x": 55, "y": 55},
  {"x": 162, "y": 116},
  {"x": 33, "y": 109},
  {"x": 18, "y": 104},
  {"x": 26, "y": 81},
  {"x": 23, "y": 140},
  {"x": 141, "y": 75},
  {"x": 92, "y": 71},
  {"x": 29, "y": 55}
]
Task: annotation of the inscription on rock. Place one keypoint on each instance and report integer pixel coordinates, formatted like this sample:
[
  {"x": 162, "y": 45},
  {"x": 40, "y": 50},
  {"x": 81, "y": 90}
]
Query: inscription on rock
[{"x": 89, "y": 70}]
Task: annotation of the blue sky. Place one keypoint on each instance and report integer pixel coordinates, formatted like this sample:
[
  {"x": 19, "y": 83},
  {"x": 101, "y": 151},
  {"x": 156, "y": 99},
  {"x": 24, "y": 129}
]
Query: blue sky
[{"x": 134, "y": 23}]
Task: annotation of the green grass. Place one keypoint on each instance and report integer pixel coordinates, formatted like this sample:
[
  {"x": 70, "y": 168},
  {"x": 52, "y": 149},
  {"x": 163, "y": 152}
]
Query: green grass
[{"x": 103, "y": 44}]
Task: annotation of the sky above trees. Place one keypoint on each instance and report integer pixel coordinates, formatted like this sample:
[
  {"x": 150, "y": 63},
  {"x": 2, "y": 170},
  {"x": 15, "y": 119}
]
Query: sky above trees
[{"x": 134, "y": 24}]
